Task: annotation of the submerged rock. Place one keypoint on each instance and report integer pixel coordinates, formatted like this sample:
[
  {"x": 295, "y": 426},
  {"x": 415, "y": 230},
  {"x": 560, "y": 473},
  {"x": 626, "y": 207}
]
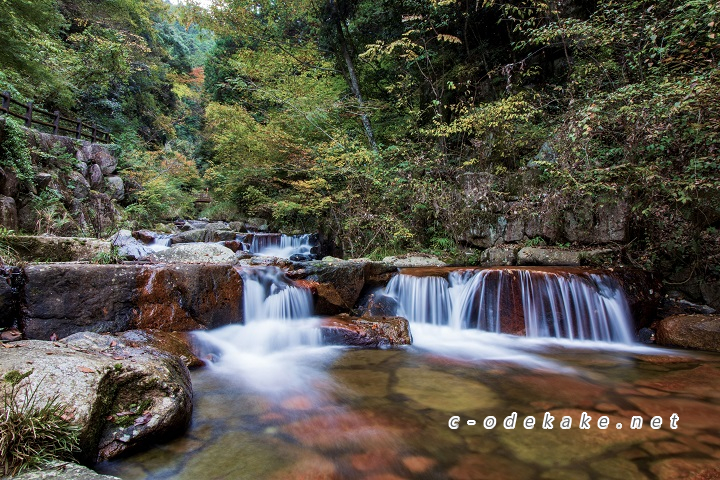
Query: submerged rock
[
  {"x": 690, "y": 331},
  {"x": 120, "y": 397},
  {"x": 372, "y": 332}
]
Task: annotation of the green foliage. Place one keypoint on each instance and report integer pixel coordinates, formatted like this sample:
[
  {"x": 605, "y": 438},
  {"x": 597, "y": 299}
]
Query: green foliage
[
  {"x": 32, "y": 431},
  {"x": 8, "y": 255},
  {"x": 108, "y": 258},
  {"x": 15, "y": 153}
]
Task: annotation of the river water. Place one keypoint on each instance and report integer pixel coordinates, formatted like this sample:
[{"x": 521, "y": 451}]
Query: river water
[{"x": 279, "y": 405}]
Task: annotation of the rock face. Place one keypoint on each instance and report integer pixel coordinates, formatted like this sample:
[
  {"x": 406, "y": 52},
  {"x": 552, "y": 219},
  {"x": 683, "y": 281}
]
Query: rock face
[
  {"x": 69, "y": 298},
  {"x": 196, "y": 253},
  {"x": 563, "y": 256},
  {"x": 336, "y": 283},
  {"x": 8, "y": 213},
  {"x": 373, "y": 332},
  {"x": 690, "y": 331},
  {"x": 121, "y": 397}
]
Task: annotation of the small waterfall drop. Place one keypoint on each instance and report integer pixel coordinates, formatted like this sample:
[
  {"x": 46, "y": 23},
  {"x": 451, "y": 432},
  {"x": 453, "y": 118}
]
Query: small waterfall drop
[
  {"x": 280, "y": 245},
  {"x": 269, "y": 351},
  {"x": 575, "y": 305}
]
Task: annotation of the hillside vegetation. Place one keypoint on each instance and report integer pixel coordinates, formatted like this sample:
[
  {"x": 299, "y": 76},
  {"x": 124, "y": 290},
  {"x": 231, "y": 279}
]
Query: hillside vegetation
[{"x": 363, "y": 119}]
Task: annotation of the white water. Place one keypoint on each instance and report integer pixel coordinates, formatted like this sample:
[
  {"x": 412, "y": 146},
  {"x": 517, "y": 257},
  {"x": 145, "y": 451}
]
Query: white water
[
  {"x": 281, "y": 246},
  {"x": 160, "y": 243},
  {"x": 579, "y": 306},
  {"x": 278, "y": 351}
]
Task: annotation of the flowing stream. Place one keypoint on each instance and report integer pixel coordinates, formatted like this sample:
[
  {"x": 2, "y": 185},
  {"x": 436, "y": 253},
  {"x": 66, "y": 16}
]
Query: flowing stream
[{"x": 277, "y": 404}]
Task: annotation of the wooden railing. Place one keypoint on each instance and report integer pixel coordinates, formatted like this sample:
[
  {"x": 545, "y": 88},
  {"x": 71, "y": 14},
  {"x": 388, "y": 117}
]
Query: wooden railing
[{"x": 60, "y": 125}]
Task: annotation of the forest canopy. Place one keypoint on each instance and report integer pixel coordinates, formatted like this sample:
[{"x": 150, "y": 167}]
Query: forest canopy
[{"x": 362, "y": 118}]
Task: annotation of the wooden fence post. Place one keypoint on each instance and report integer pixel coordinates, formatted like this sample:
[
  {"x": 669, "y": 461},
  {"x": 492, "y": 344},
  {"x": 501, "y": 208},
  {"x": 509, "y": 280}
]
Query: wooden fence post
[
  {"x": 56, "y": 123},
  {"x": 6, "y": 102},
  {"x": 28, "y": 114},
  {"x": 94, "y": 133},
  {"x": 78, "y": 129}
]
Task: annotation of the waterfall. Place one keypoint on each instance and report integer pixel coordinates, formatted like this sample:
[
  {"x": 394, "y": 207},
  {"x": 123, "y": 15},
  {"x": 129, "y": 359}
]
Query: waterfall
[
  {"x": 280, "y": 245},
  {"x": 534, "y": 302}
]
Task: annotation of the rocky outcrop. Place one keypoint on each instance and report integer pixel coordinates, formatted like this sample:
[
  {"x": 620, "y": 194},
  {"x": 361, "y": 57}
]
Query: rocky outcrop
[
  {"x": 562, "y": 256},
  {"x": 121, "y": 397},
  {"x": 63, "y": 299},
  {"x": 368, "y": 332},
  {"x": 128, "y": 246},
  {"x": 71, "y": 193},
  {"x": 414, "y": 260},
  {"x": 56, "y": 249},
  {"x": 336, "y": 284},
  {"x": 195, "y": 253},
  {"x": 690, "y": 331}
]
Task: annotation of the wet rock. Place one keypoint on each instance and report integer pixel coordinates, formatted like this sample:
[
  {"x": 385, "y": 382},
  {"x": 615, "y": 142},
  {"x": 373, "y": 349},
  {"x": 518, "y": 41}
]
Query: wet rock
[
  {"x": 646, "y": 336},
  {"x": 372, "y": 332},
  {"x": 377, "y": 273},
  {"x": 444, "y": 392},
  {"x": 69, "y": 298},
  {"x": 234, "y": 245},
  {"x": 414, "y": 260},
  {"x": 685, "y": 469},
  {"x": 336, "y": 284},
  {"x": 642, "y": 292},
  {"x": 145, "y": 236},
  {"x": 63, "y": 471},
  {"x": 301, "y": 257},
  {"x": 559, "y": 448},
  {"x": 195, "y": 253},
  {"x": 690, "y": 331},
  {"x": 100, "y": 381},
  {"x": 710, "y": 290},
  {"x": 8, "y": 213},
  {"x": 183, "y": 297},
  {"x": 128, "y": 246}
]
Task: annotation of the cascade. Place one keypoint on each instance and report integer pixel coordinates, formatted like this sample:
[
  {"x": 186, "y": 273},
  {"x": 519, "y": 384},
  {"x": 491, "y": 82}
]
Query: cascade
[
  {"x": 572, "y": 304},
  {"x": 280, "y": 245}
]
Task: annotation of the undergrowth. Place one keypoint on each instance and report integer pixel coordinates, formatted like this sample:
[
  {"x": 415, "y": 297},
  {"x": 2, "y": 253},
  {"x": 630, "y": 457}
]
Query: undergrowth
[{"x": 33, "y": 431}]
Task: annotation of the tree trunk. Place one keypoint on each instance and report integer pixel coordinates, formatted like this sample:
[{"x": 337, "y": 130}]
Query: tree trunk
[{"x": 352, "y": 76}]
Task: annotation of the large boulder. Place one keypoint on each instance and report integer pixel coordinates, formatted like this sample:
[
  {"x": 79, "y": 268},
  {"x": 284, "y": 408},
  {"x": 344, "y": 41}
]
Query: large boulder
[
  {"x": 690, "y": 331},
  {"x": 8, "y": 213},
  {"x": 122, "y": 398},
  {"x": 195, "y": 253},
  {"x": 369, "y": 332},
  {"x": 9, "y": 184},
  {"x": 101, "y": 156},
  {"x": 78, "y": 184},
  {"x": 67, "y": 298},
  {"x": 549, "y": 256},
  {"x": 95, "y": 176},
  {"x": 504, "y": 255},
  {"x": 190, "y": 236}
]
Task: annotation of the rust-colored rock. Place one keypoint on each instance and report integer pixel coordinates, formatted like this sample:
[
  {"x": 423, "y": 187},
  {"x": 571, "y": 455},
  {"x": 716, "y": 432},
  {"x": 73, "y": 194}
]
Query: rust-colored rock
[
  {"x": 183, "y": 297},
  {"x": 690, "y": 331},
  {"x": 372, "y": 332},
  {"x": 178, "y": 344}
]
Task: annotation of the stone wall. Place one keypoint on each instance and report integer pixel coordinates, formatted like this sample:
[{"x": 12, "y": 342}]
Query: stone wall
[{"x": 74, "y": 190}]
